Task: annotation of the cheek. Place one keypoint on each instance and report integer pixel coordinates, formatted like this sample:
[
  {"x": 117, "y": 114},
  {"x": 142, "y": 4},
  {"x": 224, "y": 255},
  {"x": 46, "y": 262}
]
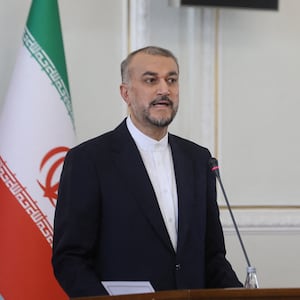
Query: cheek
[
  {"x": 175, "y": 91},
  {"x": 142, "y": 98},
  {"x": 131, "y": 98},
  {"x": 175, "y": 96},
  {"x": 134, "y": 100}
]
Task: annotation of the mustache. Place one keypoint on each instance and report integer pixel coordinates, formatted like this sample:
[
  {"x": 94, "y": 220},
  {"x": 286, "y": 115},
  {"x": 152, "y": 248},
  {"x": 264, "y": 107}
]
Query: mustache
[{"x": 164, "y": 98}]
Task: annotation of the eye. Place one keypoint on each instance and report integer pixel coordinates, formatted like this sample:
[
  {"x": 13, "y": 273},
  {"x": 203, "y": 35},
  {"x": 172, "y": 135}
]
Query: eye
[
  {"x": 150, "y": 80},
  {"x": 172, "y": 80}
]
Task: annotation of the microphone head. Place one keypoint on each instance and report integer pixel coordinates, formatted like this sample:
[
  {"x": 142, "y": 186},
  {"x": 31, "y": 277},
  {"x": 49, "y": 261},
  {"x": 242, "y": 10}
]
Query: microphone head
[{"x": 214, "y": 166}]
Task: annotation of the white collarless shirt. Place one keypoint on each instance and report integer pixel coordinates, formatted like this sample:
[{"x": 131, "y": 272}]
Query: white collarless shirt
[{"x": 157, "y": 158}]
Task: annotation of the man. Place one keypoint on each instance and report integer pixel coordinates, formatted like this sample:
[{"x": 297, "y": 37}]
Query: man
[{"x": 138, "y": 203}]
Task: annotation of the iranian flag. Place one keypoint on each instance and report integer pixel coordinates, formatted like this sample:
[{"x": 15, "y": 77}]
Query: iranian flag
[{"x": 36, "y": 130}]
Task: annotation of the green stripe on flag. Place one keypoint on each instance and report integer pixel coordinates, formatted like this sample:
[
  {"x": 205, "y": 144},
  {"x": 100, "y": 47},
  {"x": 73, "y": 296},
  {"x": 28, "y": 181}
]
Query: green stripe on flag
[
  {"x": 44, "y": 25},
  {"x": 43, "y": 39}
]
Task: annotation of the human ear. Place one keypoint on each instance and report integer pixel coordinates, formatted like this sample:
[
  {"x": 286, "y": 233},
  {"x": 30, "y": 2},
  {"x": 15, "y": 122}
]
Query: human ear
[{"x": 124, "y": 92}]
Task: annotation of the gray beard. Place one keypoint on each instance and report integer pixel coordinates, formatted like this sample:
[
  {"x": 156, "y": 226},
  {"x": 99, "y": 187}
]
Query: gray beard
[{"x": 160, "y": 123}]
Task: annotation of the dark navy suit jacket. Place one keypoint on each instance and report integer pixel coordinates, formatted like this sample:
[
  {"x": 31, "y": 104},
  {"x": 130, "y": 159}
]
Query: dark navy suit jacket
[{"x": 108, "y": 225}]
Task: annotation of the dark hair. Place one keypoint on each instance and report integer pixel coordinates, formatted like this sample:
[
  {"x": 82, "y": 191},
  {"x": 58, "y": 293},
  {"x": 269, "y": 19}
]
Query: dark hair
[{"x": 152, "y": 50}]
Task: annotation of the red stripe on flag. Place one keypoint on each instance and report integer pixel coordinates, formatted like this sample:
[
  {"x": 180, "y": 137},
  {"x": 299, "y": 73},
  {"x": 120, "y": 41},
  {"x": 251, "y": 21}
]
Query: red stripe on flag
[{"x": 25, "y": 255}]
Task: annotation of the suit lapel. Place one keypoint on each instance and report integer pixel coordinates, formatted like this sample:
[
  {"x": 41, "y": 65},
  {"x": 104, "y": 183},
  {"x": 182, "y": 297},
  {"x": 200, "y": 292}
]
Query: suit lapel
[
  {"x": 133, "y": 172},
  {"x": 185, "y": 177}
]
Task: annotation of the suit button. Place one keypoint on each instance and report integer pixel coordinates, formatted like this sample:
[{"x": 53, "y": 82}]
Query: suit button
[{"x": 177, "y": 267}]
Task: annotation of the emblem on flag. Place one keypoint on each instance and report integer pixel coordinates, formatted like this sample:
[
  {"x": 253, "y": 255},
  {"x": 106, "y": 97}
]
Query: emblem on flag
[{"x": 50, "y": 169}]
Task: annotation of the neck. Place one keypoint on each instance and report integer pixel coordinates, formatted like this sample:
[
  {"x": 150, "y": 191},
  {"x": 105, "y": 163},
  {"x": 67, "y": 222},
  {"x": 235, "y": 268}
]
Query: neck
[{"x": 156, "y": 134}]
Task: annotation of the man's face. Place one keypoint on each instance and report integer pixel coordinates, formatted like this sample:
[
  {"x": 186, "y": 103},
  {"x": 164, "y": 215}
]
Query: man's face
[{"x": 152, "y": 93}]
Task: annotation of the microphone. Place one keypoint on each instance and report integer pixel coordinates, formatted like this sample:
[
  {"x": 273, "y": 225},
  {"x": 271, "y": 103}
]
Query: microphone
[{"x": 213, "y": 163}]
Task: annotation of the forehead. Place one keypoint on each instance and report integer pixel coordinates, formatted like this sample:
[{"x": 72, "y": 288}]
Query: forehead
[{"x": 143, "y": 62}]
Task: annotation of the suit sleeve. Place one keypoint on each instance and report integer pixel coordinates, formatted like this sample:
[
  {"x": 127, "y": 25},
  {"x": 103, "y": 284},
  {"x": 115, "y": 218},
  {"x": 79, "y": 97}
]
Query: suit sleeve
[
  {"x": 219, "y": 272},
  {"x": 76, "y": 226}
]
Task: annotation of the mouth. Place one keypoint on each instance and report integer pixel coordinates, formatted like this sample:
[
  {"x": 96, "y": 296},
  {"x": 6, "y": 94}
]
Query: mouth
[{"x": 164, "y": 102}]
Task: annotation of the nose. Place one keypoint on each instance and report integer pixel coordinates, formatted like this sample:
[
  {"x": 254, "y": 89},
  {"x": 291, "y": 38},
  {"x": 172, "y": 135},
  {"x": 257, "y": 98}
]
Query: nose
[{"x": 163, "y": 88}]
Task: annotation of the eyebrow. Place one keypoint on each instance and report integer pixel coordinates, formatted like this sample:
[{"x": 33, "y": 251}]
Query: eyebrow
[{"x": 149, "y": 73}]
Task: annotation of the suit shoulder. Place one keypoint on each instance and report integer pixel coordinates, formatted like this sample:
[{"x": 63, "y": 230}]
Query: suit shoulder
[
  {"x": 105, "y": 143},
  {"x": 188, "y": 145},
  {"x": 93, "y": 144}
]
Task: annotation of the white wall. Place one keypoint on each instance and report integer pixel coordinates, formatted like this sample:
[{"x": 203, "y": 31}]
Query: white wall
[
  {"x": 259, "y": 136},
  {"x": 260, "y": 72},
  {"x": 254, "y": 84}
]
